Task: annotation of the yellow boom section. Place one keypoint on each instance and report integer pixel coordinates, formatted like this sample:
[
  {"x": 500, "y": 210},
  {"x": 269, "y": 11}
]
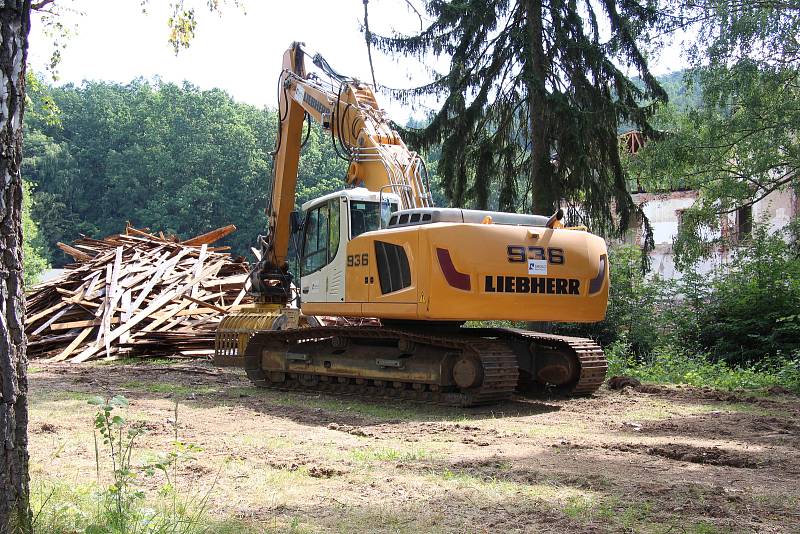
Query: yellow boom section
[{"x": 379, "y": 160}]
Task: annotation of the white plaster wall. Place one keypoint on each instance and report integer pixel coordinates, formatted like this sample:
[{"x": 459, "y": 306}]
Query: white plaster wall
[{"x": 777, "y": 210}]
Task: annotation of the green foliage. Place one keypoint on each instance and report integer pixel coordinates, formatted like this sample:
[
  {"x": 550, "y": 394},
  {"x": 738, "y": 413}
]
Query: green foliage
[
  {"x": 171, "y": 158},
  {"x": 123, "y": 507},
  {"x": 673, "y": 365},
  {"x": 532, "y": 101},
  {"x": 34, "y": 256},
  {"x": 119, "y": 439},
  {"x": 753, "y": 309},
  {"x": 741, "y": 142}
]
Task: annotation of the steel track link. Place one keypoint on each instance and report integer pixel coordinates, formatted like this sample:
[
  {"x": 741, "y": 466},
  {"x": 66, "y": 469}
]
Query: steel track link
[
  {"x": 592, "y": 360},
  {"x": 498, "y": 364}
]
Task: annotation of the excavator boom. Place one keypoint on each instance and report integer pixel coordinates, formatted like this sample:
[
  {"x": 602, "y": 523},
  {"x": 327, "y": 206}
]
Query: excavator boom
[{"x": 378, "y": 158}]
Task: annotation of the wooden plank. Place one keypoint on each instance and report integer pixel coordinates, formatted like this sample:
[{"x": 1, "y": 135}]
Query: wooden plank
[
  {"x": 44, "y": 313},
  {"x": 86, "y": 303},
  {"x": 235, "y": 281},
  {"x": 68, "y": 292},
  {"x": 198, "y": 311},
  {"x": 157, "y": 278},
  {"x": 205, "y": 303},
  {"x": 167, "y": 315},
  {"x": 210, "y": 237},
  {"x": 135, "y": 231},
  {"x": 198, "y": 268},
  {"x": 81, "y": 324},
  {"x": 159, "y": 301},
  {"x": 90, "y": 290},
  {"x": 64, "y": 354},
  {"x": 114, "y": 298},
  {"x": 50, "y": 321},
  {"x": 241, "y": 295},
  {"x": 78, "y": 255},
  {"x": 125, "y": 313}
]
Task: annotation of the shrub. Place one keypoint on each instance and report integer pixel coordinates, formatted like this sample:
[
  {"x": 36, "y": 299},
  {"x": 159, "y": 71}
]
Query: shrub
[
  {"x": 673, "y": 365},
  {"x": 753, "y": 310}
]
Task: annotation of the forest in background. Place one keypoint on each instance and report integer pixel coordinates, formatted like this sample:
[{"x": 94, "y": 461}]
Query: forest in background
[{"x": 172, "y": 158}]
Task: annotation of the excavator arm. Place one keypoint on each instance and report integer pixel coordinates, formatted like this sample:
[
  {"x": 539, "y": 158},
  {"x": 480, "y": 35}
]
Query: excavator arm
[{"x": 362, "y": 134}]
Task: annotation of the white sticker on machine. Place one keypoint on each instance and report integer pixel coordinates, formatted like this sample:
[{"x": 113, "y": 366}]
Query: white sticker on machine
[
  {"x": 299, "y": 93},
  {"x": 537, "y": 267}
]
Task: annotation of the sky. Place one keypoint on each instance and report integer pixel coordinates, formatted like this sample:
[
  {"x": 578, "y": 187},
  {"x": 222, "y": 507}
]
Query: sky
[{"x": 240, "y": 50}]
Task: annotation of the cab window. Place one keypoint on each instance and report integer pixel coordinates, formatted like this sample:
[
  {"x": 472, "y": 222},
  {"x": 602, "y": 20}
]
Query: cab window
[
  {"x": 333, "y": 229},
  {"x": 366, "y": 216}
]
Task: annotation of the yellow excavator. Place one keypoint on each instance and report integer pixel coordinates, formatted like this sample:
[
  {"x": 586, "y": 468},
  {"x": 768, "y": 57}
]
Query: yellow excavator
[{"x": 387, "y": 280}]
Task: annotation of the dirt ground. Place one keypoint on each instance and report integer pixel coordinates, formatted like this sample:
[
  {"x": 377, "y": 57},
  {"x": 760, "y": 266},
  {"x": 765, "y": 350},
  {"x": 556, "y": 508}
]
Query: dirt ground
[{"x": 656, "y": 459}]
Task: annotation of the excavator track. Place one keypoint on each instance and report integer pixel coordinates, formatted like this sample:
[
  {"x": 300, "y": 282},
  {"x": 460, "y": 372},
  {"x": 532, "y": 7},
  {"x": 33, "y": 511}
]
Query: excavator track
[
  {"x": 498, "y": 366},
  {"x": 590, "y": 356},
  {"x": 496, "y": 351}
]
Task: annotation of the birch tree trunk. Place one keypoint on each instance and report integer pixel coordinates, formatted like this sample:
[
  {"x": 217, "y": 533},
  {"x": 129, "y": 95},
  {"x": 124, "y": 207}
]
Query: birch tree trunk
[{"x": 15, "y": 515}]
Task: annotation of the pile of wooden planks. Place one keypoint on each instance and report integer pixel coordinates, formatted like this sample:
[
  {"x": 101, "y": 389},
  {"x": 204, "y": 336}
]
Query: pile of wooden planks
[{"x": 136, "y": 294}]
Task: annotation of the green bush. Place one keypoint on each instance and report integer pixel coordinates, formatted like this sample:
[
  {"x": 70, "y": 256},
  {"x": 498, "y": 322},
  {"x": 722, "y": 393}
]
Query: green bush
[
  {"x": 753, "y": 309},
  {"x": 33, "y": 250},
  {"x": 672, "y": 365}
]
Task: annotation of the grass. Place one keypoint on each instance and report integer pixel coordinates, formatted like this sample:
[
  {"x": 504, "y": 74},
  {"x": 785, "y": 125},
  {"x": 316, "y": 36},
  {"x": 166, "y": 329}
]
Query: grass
[
  {"x": 167, "y": 387},
  {"x": 669, "y": 365},
  {"x": 659, "y": 410},
  {"x": 268, "y": 486},
  {"x": 379, "y": 517},
  {"x": 499, "y": 487},
  {"x": 61, "y": 508},
  {"x": 387, "y": 454}
]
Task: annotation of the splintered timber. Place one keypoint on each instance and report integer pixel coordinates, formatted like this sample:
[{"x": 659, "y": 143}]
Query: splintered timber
[
  {"x": 532, "y": 284},
  {"x": 136, "y": 294}
]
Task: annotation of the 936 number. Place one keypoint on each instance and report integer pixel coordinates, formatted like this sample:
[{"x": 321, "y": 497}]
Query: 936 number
[
  {"x": 358, "y": 260},
  {"x": 519, "y": 254}
]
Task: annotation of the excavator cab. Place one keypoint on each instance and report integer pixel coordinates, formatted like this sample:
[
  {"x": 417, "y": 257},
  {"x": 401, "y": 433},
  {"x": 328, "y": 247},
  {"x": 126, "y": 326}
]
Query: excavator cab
[{"x": 330, "y": 223}]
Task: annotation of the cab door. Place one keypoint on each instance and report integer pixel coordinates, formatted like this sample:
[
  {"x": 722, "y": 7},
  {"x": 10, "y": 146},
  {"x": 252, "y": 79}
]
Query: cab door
[{"x": 321, "y": 265}]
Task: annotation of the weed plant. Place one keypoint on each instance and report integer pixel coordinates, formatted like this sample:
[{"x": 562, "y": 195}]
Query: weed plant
[
  {"x": 672, "y": 365},
  {"x": 117, "y": 502}
]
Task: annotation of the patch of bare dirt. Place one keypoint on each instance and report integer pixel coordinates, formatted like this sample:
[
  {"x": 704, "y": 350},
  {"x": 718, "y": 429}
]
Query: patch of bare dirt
[
  {"x": 660, "y": 456},
  {"x": 697, "y": 455},
  {"x": 757, "y": 429}
]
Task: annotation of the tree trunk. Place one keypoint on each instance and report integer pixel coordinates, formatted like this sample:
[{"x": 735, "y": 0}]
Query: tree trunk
[
  {"x": 15, "y": 515},
  {"x": 536, "y": 62}
]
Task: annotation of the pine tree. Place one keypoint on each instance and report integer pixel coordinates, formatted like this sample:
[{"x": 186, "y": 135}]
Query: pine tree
[{"x": 534, "y": 99}]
